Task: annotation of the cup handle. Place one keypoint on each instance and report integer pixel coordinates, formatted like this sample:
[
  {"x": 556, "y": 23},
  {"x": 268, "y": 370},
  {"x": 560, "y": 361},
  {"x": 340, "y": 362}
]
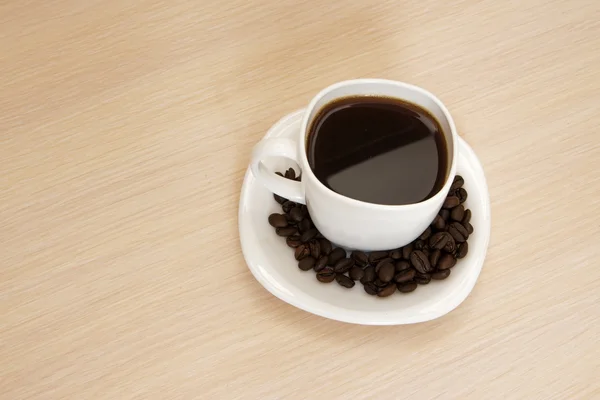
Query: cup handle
[{"x": 277, "y": 147}]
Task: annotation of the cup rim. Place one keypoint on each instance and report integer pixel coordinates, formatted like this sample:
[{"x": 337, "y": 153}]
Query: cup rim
[{"x": 307, "y": 171}]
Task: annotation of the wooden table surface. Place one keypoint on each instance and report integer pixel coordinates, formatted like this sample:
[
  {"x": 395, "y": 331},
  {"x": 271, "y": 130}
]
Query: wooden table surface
[{"x": 125, "y": 132}]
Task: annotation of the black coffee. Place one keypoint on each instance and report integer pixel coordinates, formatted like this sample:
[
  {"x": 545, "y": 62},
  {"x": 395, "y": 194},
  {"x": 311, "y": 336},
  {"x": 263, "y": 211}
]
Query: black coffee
[{"x": 378, "y": 150}]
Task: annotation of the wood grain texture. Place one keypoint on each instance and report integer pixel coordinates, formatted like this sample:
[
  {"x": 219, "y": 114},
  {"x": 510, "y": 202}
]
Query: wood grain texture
[{"x": 125, "y": 131}]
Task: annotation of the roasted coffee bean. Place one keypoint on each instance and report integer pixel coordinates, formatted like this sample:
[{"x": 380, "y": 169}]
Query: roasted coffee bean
[
  {"x": 287, "y": 206},
  {"x": 336, "y": 255},
  {"x": 468, "y": 227},
  {"x": 287, "y": 231},
  {"x": 376, "y": 256},
  {"x": 467, "y": 217},
  {"x": 425, "y": 235},
  {"x": 371, "y": 289},
  {"x": 419, "y": 244},
  {"x": 315, "y": 248},
  {"x": 290, "y": 220},
  {"x": 296, "y": 214},
  {"x": 290, "y": 173},
  {"x": 304, "y": 225},
  {"x": 301, "y": 252},
  {"x": 396, "y": 254},
  {"x": 279, "y": 199},
  {"x": 426, "y": 252},
  {"x": 383, "y": 262},
  {"x": 293, "y": 241},
  {"x": 450, "y": 246},
  {"x": 320, "y": 264},
  {"x": 277, "y": 220},
  {"x": 307, "y": 263},
  {"x": 457, "y": 213},
  {"x": 458, "y": 232},
  {"x": 343, "y": 265},
  {"x": 407, "y": 287},
  {"x": 402, "y": 265},
  {"x": 405, "y": 276},
  {"x": 326, "y": 275},
  {"x": 439, "y": 240},
  {"x": 420, "y": 261},
  {"x": 386, "y": 272},
  {"x": 379, "y": 283},
  {"x": 422, "y": 279},
  {"x": 445, "y": 214},
  {"x": 360, "y": 258},
  {"x": 462, "y": 195},
  {"x": 304, "y": 210},
  {"x": 462, "y": 250},
  {"x": 369, "y": 275},
  {"x": 451, "y": 202},
  {"x": 439, "y": 223},
  {"x": 388, "y": 290},
  {"x": 309, "y": 235},
  {"x": 457, "y": 183},
  {"x": 441, "y": 275},
  {"x": 434, "y": 257},
  {"x": 325, "y": 246},
  {"x": 356, "y": 273},
  {"x": 344, "y": 281},
  {"x": 406, "y": 250},
  {"x": 446, "y": 261}
]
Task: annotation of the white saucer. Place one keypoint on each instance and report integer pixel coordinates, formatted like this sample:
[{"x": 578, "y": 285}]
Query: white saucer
[{"x": 273, "y": 265}]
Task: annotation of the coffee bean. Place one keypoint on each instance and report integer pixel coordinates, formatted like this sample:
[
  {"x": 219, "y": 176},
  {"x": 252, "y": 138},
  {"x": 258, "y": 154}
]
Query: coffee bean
[
  {"x": 307, "y": 263},
  {"x": 457, "y": 213},
  {"x": 439, "y": 223},
  {"x": 320, "y": 264},
  {"x": 419, "y": 244},
  {"x": 402, "y": 265},
  {"x": 379, "y": 283},
  {"x": 450, "y": 246},
  {"x": 451, "y": 202},
  {"x": 296, "y": 214},
  {"x": 287, "y": 206},
  {"x": 371, "y": 289},
  {"x": 407, "y": 287},
  {"x": 439, "y": 240},
  {"x": 422, "y": 279},
  {"x": 396, "y": 254},
  {"x": 369, "y": 275},
  {"x": 360, "y": 258},
  {"x": 405, "y": 276},
  {"x": 279, "y": 199},
  {"x": 277, "y": 220},
  {"x": 344, "y": 281},
  {"x": 446, "y": 261},
  {"x": 290, "y": 173},
  {"x": 287, "y": 231},
  {"x": 406, "y": 250},
  {"x": 308, "y": 235},
  {"x": 315, "y": 248},
  {"x": 375, "y": 256},
  {"x": 304, "y": 225},
  {"x": 387, "y": 290},
  {"x": 458, "y": 232},
  {"x": 386, "y": 272},
  {"x": 326, "y": 275},
  {"x": 343, "y": 265},
  {"x": 463, "y": 249},
  {"x": 356, "y": 273},
  {"x": 336, "y": 255},
  {"x": 468, "y": 227},
  {"x": 425, "y": 235},
  {"x": 293, "y": 241},
  {"x": 304, "y": 210},
  {"x": 462, "y": 195},
  {"x": 290, "y": 220},
  {"x": 301, "y": 252},
  {"x": 440, "y": 275},
  {"x": 457, "y": 183},
  {"x": 420, "y": 261},
  {"x": 383, "y": 262},
  {"x": 445, "y": 214},
  {"x": 434, "y": 257},
  {"x": 467, "y": 217},
  {"x": 325, "y": 246}
]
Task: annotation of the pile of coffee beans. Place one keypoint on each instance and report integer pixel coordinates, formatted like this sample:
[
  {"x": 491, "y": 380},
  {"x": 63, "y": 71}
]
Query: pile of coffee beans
[{"x": 429, "y": 257}]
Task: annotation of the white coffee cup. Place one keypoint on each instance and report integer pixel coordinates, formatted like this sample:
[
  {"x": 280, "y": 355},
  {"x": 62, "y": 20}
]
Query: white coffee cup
[{"x": 348, "y": 222}]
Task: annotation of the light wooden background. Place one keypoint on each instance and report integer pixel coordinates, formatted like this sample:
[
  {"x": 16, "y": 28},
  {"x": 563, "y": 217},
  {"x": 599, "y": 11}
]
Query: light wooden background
[{"x": 125, "y": 131}]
